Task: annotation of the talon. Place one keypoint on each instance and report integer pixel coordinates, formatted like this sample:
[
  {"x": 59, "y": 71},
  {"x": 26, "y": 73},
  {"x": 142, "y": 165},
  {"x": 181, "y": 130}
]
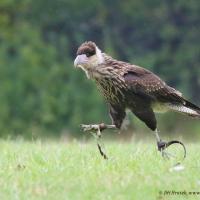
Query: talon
[{"x": 165, "y": 155}]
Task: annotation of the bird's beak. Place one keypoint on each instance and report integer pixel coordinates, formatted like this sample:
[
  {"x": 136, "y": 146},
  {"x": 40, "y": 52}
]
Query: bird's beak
[{"x": 80, "y": 60}]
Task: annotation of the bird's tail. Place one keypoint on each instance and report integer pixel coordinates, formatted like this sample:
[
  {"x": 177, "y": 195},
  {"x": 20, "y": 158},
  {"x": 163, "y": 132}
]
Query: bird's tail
[{"x": 187, "y": 108}]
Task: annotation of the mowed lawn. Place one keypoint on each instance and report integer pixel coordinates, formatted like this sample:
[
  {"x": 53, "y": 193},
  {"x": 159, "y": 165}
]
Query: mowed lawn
[{"x": 58, "y": 170}]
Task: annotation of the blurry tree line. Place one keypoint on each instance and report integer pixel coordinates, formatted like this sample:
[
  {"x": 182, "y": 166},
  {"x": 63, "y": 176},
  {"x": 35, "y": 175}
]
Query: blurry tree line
[{"x": 41, "y": 92}]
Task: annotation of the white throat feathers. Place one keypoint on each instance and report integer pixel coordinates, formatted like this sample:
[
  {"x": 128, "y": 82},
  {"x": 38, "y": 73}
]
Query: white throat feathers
[{"x": 100, "y": 57}]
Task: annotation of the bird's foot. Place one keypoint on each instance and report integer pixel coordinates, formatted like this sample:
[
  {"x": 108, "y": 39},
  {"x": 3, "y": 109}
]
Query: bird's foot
[
  {"x": 96, "y": 127},
  {"x": 167, "y": 155},
  {"x": 162, "y": 147},
  {"x": 96, "y": 130}
]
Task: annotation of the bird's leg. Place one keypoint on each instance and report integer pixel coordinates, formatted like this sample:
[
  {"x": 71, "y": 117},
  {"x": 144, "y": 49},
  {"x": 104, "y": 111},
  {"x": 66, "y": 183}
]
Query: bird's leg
[
  {"x": 100, "y": 144},
  {"x": 96, "y": 130},
  {"x": 162, "y": 145}
]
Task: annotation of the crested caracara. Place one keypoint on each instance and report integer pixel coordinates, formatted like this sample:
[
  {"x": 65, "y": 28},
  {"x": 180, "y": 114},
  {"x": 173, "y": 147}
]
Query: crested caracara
[{"x": 127, "y": 86}]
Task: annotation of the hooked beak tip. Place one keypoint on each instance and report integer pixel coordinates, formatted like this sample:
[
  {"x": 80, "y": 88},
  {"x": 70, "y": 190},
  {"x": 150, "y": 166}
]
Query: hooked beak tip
[{"x": 80, "y": 60}]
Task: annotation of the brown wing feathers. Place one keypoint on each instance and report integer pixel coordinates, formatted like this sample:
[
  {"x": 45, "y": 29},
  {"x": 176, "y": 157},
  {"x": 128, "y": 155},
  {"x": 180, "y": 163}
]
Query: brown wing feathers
[{"x": 152, "y": 86}]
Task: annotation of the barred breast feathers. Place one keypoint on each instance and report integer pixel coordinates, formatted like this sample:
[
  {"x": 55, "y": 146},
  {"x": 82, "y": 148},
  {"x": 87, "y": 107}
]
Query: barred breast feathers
[{"x": 109, "y": 79}]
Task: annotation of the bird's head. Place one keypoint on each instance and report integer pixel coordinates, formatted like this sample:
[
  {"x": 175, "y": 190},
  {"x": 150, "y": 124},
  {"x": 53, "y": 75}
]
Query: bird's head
[{"x": 88, "y": 56}]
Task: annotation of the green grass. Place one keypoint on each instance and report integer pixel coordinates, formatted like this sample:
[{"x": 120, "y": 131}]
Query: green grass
[{"x": 56, "y": 170}]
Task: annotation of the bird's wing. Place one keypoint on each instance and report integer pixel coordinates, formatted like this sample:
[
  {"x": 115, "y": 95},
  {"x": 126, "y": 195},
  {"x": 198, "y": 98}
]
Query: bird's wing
[{"x": 147, "y": 84}]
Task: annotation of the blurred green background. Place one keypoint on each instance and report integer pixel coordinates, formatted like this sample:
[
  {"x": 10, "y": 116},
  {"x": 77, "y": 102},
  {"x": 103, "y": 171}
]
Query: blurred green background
[{"x": 42, "y": 95}]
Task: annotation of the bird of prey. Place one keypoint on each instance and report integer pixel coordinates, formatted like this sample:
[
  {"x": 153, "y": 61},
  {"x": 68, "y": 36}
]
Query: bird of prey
[{"x": 127, "y": 86}]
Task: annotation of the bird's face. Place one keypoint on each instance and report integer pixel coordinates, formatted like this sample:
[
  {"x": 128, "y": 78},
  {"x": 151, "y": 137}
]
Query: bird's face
[{"x": 88, "y": 56}]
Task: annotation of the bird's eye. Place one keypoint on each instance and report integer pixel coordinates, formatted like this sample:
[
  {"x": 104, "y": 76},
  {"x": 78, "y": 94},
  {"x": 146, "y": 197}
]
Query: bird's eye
[{"x": 88, "y": 54}]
